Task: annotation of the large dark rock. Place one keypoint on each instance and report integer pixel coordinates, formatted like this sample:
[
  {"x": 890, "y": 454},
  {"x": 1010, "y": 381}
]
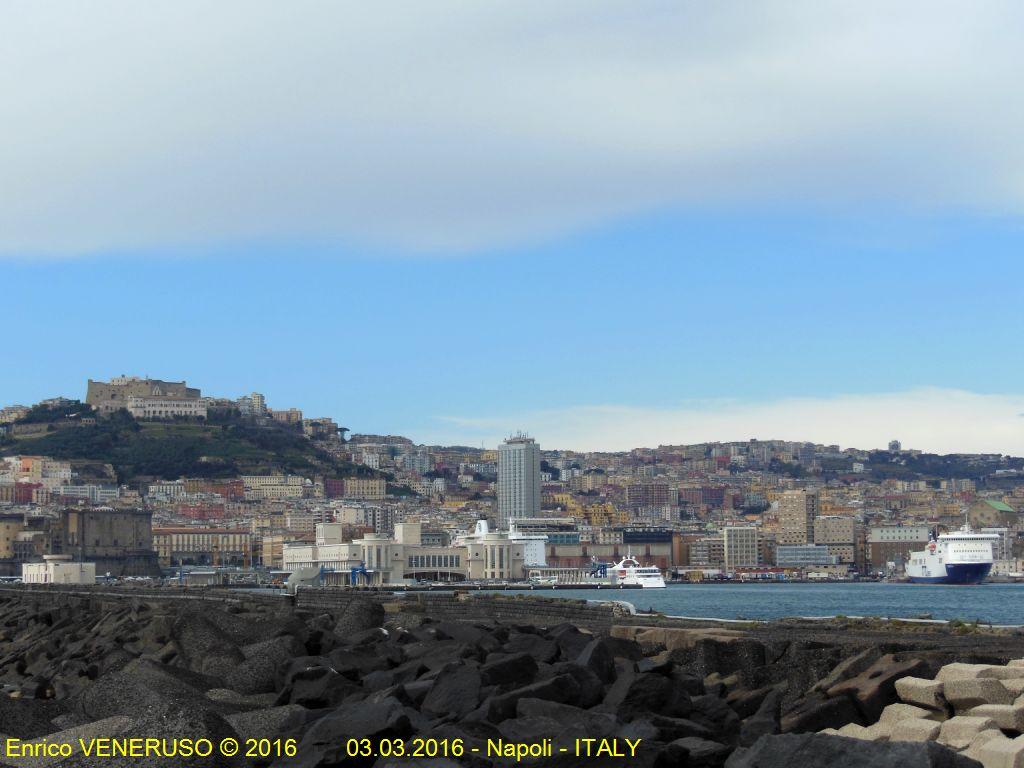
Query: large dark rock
[
  {"x": 622, "y": 648},
  {"x": 715, "y": 715},
  {"x": 204, "y": 646},
  {"x": 570, "y": 640},
  {"x": 143, "y": 685},
  {"x": 324, "y": 742},
  {"x": 693, "y": 752},
  {"x": 469, "y": 634},
  {"x": 563, "y": 689},
  {"x": 270, "y": 723},
  {"x": 646, "y": 693},
  {"x": 257, "y": 672},
  {"x": 316, "y": 687},
  {"x": 456, "y": 692},
  {"x": 591, "y": 689},
  {"x": 672, "y": 728},
  {"x": 598, "y": 658},
  {"x": 590, "y": 723},
  {"x": 540, "y": 648},
  {"x": 765, "y": 721},
  {"x": 360, "y": 614},
  {"x": 27, "y": 719},
  {"x": 815, "y": 750},
  {"x": 509, "y": 671},
  {"x": 170, "y": 723},
  {"x": 816, "y": 713}
]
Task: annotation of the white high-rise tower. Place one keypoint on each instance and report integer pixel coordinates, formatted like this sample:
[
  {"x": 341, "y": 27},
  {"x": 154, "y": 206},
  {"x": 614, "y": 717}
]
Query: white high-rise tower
[{"x": 518, "y": 478}]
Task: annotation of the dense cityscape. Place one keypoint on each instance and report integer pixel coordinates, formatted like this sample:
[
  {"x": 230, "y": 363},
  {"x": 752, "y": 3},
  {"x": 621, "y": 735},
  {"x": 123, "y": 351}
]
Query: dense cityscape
[{"x": 281, "y": 491}]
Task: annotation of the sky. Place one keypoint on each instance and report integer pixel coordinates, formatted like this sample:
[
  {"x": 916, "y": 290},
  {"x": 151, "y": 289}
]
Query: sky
[{"x": 608, "y": 224}]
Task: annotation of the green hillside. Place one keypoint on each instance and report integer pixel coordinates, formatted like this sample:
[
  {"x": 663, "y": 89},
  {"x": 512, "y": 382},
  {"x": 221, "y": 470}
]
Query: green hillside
[{"x": 141, "y": 451}]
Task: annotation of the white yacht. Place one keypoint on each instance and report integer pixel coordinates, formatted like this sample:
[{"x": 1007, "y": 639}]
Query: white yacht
[{"x": 628, "y": 572}]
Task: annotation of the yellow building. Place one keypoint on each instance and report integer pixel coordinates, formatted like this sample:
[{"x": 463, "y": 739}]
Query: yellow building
[
  {"x": 10, "y": 527},
  {"x": 202, "y": 546},
  {"x": 365, "y": 488},
  {"x": 604, "y": 515}
]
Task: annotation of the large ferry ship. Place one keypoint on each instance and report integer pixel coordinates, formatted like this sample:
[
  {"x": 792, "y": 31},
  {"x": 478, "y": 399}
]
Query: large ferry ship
[{"x": 961, "y": 557}]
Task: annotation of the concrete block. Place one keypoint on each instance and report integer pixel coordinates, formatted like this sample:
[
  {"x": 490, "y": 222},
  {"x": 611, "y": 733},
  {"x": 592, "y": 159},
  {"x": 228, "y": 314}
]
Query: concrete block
[
  {"x": 852, "y": 731},
  {"x": 967, "y": 693},
  {"x": 959, "y": 671},
  {"x": 1004, "y": 673},
  {"x": 989, "y": 758},
  {"x": 915, "y": 729},
  {"x": 894, "y": 713},
  {"x": 1008, "y": 717},
  {"x": 1014, "y": 685},
  {"x": 923, "y": 693},
  {"x": 1001, "y": 753},
  {"x": 1015, "y": 663},
  {"x": 958, "y": 732},
  {"x": 830, "y": 732},
  {"x": 878, "y": 732}
]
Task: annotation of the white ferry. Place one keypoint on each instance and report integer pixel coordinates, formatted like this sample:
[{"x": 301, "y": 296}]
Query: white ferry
[
  {"x": 962, "y": 557},
  {"x": 628, "y": 572}
]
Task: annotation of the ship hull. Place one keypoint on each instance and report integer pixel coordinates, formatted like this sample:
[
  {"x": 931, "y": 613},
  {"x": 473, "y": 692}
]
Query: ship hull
[{"x": 966, "y": 573}]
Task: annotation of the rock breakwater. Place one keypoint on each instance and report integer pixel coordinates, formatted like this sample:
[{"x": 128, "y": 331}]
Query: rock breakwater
[{"x": 363, "y": 669}]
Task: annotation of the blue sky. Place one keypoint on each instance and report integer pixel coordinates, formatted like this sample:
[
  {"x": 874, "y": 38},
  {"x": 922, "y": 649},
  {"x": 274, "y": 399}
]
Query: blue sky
[
  {"x": 608, "y": 223},
  {"x": 656, "y": 313}
]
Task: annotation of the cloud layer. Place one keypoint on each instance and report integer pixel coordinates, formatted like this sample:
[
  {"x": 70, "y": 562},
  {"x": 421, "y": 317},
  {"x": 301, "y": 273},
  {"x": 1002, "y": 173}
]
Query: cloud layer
[
  {"x": 933, "y": 420},
  {"x": 460, "y": 126}
]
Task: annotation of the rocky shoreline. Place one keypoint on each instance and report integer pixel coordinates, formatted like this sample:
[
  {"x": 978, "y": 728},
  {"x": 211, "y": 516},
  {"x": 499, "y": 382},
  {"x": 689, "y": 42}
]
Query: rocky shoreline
[{"x": 749, "y": 697}]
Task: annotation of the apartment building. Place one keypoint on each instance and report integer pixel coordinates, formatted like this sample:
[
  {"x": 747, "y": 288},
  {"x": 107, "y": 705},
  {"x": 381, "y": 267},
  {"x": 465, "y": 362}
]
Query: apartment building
[
  {"x": 741, "y": 547},
  {"x": 797, "y": 510},
  {"x": 261, "y": 487},
  {"x": 365, "y": 488},
  {"x": 839, "y": 534}
]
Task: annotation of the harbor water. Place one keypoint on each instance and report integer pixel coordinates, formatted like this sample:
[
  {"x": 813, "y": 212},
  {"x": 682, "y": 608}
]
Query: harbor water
[{"x": 988, "y": 603}]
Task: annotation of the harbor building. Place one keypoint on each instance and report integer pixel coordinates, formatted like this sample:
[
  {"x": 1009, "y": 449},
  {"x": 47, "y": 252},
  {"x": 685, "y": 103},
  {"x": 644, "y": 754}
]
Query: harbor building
[
  {"x": 405, "y": 557},
  {"x": 893, "y": 544},
  {"x": 58, "y": 569}
]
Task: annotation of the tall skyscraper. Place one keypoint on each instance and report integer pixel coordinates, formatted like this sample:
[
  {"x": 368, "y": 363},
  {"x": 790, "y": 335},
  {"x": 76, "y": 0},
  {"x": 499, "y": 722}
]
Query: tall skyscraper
[
  {"x": 518, "y": 478},
  {"x": 797, "y": 510}
]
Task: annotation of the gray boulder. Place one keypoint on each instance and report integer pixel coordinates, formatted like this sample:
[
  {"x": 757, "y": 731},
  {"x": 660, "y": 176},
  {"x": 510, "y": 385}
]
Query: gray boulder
[{"x": 816, "y": 750}]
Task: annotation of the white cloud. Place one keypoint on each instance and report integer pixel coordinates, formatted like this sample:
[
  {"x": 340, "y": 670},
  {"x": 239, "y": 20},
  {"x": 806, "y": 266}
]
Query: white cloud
[
  {"x": 454, "y": 125},
  {"x": 934, "y": 420}
]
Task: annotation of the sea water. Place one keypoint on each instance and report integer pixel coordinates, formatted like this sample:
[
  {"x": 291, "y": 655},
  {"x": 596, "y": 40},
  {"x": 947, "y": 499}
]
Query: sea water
[{"x": 988, "y": 603}]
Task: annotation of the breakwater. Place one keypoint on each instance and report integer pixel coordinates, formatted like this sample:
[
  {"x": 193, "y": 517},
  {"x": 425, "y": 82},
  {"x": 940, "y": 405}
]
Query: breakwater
[{"x": 332, "y": 665}]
